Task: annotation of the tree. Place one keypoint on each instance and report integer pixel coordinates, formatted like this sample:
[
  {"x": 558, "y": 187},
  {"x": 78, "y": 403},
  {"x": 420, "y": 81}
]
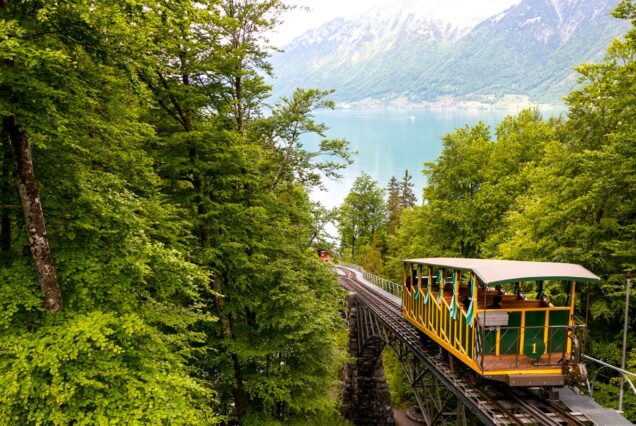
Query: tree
[
  {"x": 579, "y": 206},
  {"x": 400, "y": 196},
  {"x": 292, "y": 118},
  {"x": 7, "y": 194},
  {"x": 322, "y": 218},
  {"x": 393, "y": 204},
  {"x": 244, "y": 26},
  {"x": 165, "y": 208},
  {"x": 453, "y": 183},
  {"x": 18, "y": 78},
  {"x": 407, "y": 196},
  {"x": 520, "y": 146},
  {"x": 372, "y": 257},
  {"x": 196, "y": 153},
  {"x": 242, "y": 178},
  {"x": 267, "y": 225},
  {"x": 362, "y": 213},
  {"x": 475, "y": 182}
]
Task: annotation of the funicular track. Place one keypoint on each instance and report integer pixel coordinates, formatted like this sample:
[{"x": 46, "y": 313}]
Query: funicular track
[{"x": 491, "y": 403}]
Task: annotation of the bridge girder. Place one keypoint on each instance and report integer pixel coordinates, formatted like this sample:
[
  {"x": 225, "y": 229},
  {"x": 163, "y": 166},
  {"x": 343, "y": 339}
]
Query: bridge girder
[{"x": 437, "y": 404}]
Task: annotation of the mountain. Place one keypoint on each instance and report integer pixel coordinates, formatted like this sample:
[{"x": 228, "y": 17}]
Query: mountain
[
  {"x": 375, "y": 54},
  {"x": 418, "y": 52}
]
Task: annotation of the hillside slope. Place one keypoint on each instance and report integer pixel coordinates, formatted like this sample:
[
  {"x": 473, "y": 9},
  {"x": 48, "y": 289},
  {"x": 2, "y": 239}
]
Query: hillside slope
[{"x": 393, "y": 55}]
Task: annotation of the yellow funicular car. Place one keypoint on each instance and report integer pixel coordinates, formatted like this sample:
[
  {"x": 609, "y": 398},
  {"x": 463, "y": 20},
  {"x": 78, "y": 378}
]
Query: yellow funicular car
[{"x": 495, "y": 315}]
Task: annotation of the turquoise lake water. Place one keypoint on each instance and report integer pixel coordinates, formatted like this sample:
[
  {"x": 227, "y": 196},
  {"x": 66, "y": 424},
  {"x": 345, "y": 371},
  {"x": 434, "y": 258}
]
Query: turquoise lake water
[{"x": 391, "y": 141}]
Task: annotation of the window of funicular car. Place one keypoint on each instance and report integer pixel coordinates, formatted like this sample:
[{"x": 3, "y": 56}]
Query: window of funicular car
[{"x": 557, "y": 291}]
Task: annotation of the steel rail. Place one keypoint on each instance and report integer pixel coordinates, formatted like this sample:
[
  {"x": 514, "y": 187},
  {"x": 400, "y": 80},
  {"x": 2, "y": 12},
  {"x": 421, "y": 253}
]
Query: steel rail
[
  {"x": 544, "y": 412},
  {"x": 573, "y": 419},
  {"x": 485, "y": 405}
]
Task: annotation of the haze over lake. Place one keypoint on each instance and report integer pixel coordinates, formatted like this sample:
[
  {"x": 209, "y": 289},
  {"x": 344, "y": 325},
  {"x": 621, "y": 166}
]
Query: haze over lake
[{"x": 391, "y": 141}]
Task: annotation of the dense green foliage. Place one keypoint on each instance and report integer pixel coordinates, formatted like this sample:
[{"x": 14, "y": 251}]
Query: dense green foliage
[
  {"x": 560, "y": 190},
  {"x": 364, "y": 219},
  {"x": 177, "y": 215}
]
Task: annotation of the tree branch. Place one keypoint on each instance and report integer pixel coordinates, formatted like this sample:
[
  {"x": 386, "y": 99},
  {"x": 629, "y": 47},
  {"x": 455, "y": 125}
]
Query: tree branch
[{"x": 184, "y": 120}]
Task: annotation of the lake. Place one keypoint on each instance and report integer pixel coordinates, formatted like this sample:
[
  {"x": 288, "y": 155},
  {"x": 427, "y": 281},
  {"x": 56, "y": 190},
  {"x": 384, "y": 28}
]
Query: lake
[{"x": 391, "y": 141}]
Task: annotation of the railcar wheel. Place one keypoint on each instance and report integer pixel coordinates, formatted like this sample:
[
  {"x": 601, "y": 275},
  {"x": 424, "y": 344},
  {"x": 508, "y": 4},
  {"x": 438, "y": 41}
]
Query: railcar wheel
[{"x": 576, "y": 373}]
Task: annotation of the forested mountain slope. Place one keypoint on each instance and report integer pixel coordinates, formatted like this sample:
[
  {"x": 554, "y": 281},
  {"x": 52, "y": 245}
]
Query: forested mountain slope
[{"x": 400, "y": 56}]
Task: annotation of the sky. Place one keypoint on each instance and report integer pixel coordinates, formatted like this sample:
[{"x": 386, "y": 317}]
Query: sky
[{"x": 298, "y": 21}]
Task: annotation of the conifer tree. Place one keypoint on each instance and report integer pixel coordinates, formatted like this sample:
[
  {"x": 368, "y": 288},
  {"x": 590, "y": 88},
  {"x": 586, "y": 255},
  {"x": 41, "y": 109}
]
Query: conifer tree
[
  {"x": 407, "y": 196},
  {"x": 400, "y": 196},
  {"x": 393, "y": 204}
]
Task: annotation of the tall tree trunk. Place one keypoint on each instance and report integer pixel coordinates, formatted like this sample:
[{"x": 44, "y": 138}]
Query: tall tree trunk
[
  {"x": 34, "y": 215},
  {"x": 238, "y": 94},
  {"x": 240, "y": 399},
  {"x": 353, "y": 247},
  {"x": 5, "y": 190},
  {"x": 185, "y": 116},
  {"x": 188, "y": 125},
  {"x": 5, "y": 230},
  {"x": 204, "y": 235}
]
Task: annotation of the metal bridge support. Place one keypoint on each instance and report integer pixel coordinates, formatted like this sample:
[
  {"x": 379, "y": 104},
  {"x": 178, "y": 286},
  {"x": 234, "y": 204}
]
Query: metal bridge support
[
  {"x": 365, "y": 397},
  {"x": 366, "y": 400},
  {"x": 437, "y": 403}
]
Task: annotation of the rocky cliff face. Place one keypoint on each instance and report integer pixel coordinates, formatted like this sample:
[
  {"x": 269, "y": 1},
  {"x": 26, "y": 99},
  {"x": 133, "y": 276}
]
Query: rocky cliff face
[{"x": 421, "y": 52}]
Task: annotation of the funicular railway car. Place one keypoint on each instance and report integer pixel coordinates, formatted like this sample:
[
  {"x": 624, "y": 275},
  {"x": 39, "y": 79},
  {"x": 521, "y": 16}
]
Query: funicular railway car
[{"x": 478, "y": 311}]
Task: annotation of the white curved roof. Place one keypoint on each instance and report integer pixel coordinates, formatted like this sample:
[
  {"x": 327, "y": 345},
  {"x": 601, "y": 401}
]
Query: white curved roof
[{"x": 502, "y": 271}]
